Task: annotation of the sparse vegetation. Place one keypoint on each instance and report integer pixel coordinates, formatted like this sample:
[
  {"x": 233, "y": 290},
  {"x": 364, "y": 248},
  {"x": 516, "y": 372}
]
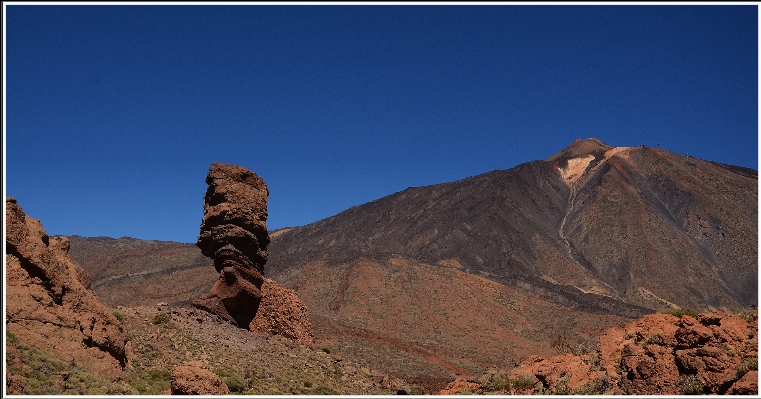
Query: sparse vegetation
[
  {"x": 119, "y": 315},
  {"x": 619, "y": 365},
  {"x": 561, "y": 388},
  {"x": 161, "y": 318},
  {"x": 494, "y": 381},
  {"x": 690, "y": 385},
  {"x": 655, "y": 339},
  {"x": 10, "y": 337},
  {"x": 325, "y": 349},
  {"x": 235, "y": 383},
  {"x": 522, "y": 382},
  {"x": 599, "y": 386},
  {"x": 681, "y": 312},
  {"x": 748, "y": 316},
  {"x": 149, "y": 382},
  {"x": 746, "y": 365},
  {"x": 417, "y": 390},
  {"x": 324, "y": 390},
  {"x": 594, "y": 362},
  {"x": 39, "y": 372}
]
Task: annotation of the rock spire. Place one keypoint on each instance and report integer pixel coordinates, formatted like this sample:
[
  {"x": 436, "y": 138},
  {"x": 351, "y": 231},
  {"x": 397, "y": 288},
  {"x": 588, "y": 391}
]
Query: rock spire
[{"x": 234, "y": 235}]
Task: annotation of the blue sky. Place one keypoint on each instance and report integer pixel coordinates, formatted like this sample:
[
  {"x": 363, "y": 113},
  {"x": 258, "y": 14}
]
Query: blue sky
[{"x": 115, "y": 113}]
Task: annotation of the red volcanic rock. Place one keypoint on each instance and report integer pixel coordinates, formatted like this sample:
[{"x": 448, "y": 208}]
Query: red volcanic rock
[
  {"x": 234, "y": 235},
  {"x": 49, "y": 303},
  {"x": 195, "y": 378},
  {"x": 659, "y": 354},
  {"x": 747, "y": 385},
  {"x": 460, "y": 386},
  {"x": 281, "y": 312}
]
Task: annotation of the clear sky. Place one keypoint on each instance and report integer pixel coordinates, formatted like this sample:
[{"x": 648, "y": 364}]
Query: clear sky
[{"x": 115, "y": 113}]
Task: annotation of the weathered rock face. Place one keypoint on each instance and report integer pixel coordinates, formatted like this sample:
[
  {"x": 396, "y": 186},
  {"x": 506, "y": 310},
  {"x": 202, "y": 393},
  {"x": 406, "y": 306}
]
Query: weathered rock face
[
  {"x": 49, "y": 301},
  {"x": 660, "y": 354},
  {"x": 195, "y": 378},
  {"x": 281, "y": 312}
]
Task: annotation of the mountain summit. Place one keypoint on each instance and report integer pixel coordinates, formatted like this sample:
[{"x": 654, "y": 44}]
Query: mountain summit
[{"x": 580, "y": 148}]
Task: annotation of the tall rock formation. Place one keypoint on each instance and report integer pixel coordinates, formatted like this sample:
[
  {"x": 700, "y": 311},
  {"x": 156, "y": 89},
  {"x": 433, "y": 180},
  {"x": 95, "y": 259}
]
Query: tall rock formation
[
  {"x": 49, "y": 303},
  {"x": 234, "y": 235}
]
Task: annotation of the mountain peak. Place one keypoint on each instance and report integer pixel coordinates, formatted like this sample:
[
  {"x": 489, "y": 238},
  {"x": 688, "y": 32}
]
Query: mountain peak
[{"x": 580, "y": 148}]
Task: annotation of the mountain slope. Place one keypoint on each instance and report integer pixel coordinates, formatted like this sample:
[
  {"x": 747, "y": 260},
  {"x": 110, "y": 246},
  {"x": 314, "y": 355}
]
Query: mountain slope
[
  {"x": 132, "y": 272},
  {"x": 660, "y": 228}
]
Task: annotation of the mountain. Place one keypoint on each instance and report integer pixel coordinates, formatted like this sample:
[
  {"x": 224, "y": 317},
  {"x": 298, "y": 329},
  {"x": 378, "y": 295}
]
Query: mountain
[
  {"x": 604, "y": 230},
  {"x": 455, "y": 278}
]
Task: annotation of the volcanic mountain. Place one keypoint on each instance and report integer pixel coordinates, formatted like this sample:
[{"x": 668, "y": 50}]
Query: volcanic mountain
[
  {"x": 600, "y": 229},
  {"x": 454, "y": 278}
]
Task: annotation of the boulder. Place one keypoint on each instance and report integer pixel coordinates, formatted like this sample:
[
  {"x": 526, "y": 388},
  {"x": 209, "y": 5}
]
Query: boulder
[
  {"x": 195, "y": 378},
  {"x": 281, "y": 312},
  {"x": 461, "y": 386}
]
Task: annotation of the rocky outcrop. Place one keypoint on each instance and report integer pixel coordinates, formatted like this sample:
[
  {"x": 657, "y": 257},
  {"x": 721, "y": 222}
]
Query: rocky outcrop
[
  {"x": 234, "y": 235},
  {"x": 281, "y": 312},
  {"x": 195, "y": 378},
  {"x": 49, "y": 303},
  {"x": 461, "y": 386},
  {"x": 659, "y": 354}
]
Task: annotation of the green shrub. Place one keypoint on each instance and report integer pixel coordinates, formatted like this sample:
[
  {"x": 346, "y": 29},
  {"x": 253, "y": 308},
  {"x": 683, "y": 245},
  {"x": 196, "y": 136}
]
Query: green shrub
[
  {"x": 561, "y": 388},
  {"x": 235, "y": 384},
  {"x": 10, "y": 337},
  {"x": 119, "y": 315},
  {"x": 494, "y": 381},
  {"x": 619, "y": 365},
  {"x": 161, "y": 318},
  {"x": 599, "y": 386},
  {"x": 654, "y": 339},
  {"x": 149, "y": 351},
  {"x": 43, "y": 373},
  {"x": 681, "y": 312},
  {"x": 324, "y": 390},
  {"x": 745, "y": 366},
  {"x": 325, "y": 349},
  {"x": 417, "y": 390},
  {"x": 690, "y": 385},
  {"x": 522, "y": 382},
  {"x": 149, "y": 382},
  {"x": 747, "y": 316}
]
